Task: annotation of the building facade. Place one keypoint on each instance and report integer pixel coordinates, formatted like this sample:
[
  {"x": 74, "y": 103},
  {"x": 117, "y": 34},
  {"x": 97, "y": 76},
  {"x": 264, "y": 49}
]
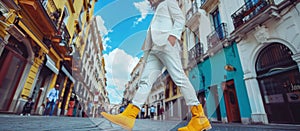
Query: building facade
[
  {"x": 242, "y": 58},
  {"x": 91, "y": 84},
  {"x": 266, "y": 33},
  {"x": 132, "y": 85},
  {"x": 37, "y": 47},
  {"x": 157, "y": 96},
  {"x": 238, "y": 63}
]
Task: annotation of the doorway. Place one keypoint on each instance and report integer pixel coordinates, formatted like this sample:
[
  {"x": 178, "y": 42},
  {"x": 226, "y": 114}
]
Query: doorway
[
  {"x": 279, "y": 83},
  {"x": 231, "y": 102},
  {"x": 10, "y": 73}
]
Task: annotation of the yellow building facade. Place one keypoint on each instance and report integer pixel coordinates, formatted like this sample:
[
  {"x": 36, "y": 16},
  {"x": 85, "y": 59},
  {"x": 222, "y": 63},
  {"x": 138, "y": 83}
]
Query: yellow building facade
[{"x": 37, "y": 40}]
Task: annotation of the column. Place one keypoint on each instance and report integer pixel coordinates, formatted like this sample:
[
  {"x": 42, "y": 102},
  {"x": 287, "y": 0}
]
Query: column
[{"x": 258, "y": 114}]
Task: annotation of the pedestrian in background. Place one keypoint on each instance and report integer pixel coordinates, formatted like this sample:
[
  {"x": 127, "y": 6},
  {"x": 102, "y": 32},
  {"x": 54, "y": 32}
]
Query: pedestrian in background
[
  {"x": 152, "y": 111},
  {"x": 162, "y": 49},
  {"x": 75, "y": 109},
  {"x": 143, "y": 112},
  {"x": 71, "y": 105},
  {"x": 161, "y": 113},
  {"x": 52, "y": 99},
  {"x": 27, "y": 107},
  {"x": 122, "y": 108},
  {"x": 42, "y": 109}
]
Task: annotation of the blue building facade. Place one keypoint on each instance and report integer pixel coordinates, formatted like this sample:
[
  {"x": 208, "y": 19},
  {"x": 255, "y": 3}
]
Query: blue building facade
[{"x": 218, "y": 81}]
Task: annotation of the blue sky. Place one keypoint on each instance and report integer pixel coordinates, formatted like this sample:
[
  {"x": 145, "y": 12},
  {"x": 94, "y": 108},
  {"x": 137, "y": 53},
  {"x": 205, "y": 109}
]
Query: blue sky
[{"x": 123, "y": 25}]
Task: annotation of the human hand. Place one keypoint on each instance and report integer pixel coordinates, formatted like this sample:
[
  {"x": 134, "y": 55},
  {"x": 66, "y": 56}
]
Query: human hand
[{"x": 172, "y": 39}]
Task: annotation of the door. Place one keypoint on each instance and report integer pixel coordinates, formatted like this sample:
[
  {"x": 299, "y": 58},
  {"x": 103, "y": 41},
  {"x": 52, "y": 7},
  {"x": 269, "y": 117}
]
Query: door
[
  {"x": 10, "y": 74},
  {"x": 279, "y": 83},
  {"x": 231, "y": 102},
  {"x": 41, "y": 86},
  {"x": 217, "y": 24}
]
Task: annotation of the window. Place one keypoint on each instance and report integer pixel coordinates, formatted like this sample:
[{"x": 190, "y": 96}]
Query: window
[
  {"x": 74, "y": 38},
  {"x": 80, "y": 16},
  {"x": 44, "y": 3},
  {"x": 3, "y": 11},
  {"x": 66, "y": 15},
  {"x": 174, "y": 88},
  {"x": 217, "y": 23},
  {"x": 167, "y": 90},
  {"x": 250, "y": 3}
]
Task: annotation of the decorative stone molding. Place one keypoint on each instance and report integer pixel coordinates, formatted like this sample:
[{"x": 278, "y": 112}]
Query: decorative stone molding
[
  {"x": 16, "y": 32},
  {"x": 261, "y": 34}
]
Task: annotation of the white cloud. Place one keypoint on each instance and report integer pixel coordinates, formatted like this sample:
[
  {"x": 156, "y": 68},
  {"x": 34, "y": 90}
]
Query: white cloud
[
  {"x": 103, "y": 31},
  {"x": 143, "y": 8},
  {"x": 119, "y": 65}
]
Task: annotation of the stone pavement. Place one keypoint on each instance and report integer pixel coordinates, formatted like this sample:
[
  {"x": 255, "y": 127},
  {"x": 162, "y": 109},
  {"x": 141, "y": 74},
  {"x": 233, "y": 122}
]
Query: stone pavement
[{"x": 55, "y": 123}]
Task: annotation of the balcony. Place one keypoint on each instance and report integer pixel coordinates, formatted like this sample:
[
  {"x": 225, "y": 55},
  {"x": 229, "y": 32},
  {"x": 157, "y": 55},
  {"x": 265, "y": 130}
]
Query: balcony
[
  {"x": 195, "y": 55},
  {"x": 62, "y": 44},
  {"x": 248, "y": 11},
  {"x": 193, "y": 18},
  {"x": 41, "y": 16},
  {"x": 207, "y": 5},
  {"x": 216, "y": 37},
  {"x": 251, "y": 15}
]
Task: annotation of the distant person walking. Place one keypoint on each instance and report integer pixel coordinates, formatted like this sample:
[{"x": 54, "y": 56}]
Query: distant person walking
[
  {"x": 161, "y": 113},
  {"x": 143, "y": 112},
  {"x": 152, "y": 111},
  {"x": 52, "y": 100}
]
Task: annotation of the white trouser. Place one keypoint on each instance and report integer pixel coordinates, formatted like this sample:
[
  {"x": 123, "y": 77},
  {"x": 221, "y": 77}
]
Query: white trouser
[{"x": 156, "y": 60}]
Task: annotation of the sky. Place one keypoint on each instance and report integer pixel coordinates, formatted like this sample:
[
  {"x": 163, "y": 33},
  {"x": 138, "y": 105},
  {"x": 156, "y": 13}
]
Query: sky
[{"x": 123, "y": 26}]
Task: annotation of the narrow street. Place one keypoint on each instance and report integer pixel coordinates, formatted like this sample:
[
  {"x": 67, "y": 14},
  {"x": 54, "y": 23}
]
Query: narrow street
[{"x": 37, "y": 123}]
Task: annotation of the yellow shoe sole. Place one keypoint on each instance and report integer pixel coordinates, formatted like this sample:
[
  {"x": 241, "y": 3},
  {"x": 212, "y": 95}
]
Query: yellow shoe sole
[{"x": 111, "y": 119}]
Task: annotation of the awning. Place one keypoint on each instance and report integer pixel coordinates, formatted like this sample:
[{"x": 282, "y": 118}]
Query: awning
[
  {"x": 67, "y": 73},
  {"x": 51, "y": 65}
]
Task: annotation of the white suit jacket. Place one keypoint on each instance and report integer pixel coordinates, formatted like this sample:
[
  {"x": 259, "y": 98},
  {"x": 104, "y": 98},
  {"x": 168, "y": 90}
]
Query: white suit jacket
[{"x": 168, "y": 20}]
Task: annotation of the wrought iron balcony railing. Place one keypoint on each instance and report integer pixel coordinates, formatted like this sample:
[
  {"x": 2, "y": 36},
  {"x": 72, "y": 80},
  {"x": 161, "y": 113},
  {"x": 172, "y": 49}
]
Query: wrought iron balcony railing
[
  {"x": 65, "y": 33},
  {"x": 219, "y": 34},
  {"x": 193, "y": 18},
  {"x": 195, "y": 53},
  {"x": 248, "y": 11},
  {"x": 55, "y": 14}
]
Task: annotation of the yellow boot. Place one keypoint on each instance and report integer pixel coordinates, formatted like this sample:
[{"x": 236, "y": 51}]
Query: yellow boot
[
  {"x": 126, "y": 119},
  {"x": 199, "y": 121}
]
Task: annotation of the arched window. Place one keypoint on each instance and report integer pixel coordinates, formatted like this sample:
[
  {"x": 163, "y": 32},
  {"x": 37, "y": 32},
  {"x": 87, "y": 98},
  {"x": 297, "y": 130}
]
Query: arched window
[{"x": 274, "y": 56}]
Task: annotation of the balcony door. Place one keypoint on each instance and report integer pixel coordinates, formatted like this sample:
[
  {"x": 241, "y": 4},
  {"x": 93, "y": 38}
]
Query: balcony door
[{"x": 217, "y": 23}]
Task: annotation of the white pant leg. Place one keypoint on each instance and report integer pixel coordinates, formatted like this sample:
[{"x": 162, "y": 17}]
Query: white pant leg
[
  {"x": 150, "y": 73},
  {"x": 172, "y": 60}
]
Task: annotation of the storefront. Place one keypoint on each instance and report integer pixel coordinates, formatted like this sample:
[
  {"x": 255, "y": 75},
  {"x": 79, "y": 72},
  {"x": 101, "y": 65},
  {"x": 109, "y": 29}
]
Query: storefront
[
  {"x": 279, "y": 82},
  {"x": 65, "y": 77},
  {"x": 14, "y": 59},
  {"x": 43, "y": 83}
]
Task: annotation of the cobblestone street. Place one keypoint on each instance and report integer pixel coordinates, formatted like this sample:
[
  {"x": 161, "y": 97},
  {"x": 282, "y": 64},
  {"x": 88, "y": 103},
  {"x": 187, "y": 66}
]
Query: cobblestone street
[{"x": 38, "y": 123}]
